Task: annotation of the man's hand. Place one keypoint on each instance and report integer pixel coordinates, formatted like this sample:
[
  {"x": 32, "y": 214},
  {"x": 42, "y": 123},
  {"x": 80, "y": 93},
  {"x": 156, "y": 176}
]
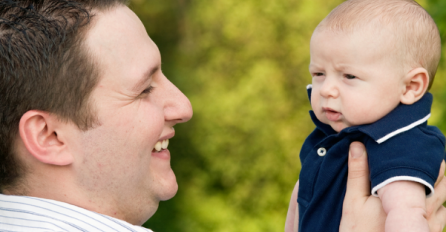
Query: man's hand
[
  {"x": 292, "y": 216},
  {"x": 435, "y": 211},
  {"x": 362, "y": 212}
]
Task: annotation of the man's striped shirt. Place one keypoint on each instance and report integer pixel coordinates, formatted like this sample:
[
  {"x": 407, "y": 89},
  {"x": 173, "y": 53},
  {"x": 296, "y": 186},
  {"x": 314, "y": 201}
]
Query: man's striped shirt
[{"x": 31, "y": 214}]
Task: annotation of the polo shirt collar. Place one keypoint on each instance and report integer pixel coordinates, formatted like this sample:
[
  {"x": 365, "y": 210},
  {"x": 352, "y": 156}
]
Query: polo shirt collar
[{"x": 399, "y": 120}]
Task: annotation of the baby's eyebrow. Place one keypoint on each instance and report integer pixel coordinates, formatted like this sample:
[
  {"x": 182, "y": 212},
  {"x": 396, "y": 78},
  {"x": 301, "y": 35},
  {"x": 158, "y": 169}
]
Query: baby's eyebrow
[{"x": 311, "y": 65}]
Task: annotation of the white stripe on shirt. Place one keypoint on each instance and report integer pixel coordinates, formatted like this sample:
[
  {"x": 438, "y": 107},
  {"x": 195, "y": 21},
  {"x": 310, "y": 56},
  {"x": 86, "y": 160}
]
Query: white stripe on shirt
[{"x": 22, "y": 213}]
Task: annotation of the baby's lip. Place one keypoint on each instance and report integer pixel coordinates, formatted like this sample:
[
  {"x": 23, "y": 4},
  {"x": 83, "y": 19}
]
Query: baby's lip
[
  {"x": 329, "y": 109},
  {"x": 332, "y": 115}
]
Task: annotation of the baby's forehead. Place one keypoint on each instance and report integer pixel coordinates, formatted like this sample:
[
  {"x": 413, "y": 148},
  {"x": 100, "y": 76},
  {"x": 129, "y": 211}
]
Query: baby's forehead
[
  {"x": 365, "y": 44},
  {"x": 401, "y": 19},
  {"x": 373, "y": 27},
  {"x": 375, "y": 36}
]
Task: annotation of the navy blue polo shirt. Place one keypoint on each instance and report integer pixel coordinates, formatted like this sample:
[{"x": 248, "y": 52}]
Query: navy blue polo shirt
[{"x": 400, "y": 146}]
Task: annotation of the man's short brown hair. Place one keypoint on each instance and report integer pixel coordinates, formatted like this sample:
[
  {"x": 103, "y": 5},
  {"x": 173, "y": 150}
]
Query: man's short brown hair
[{"x": 45, "y": 66}]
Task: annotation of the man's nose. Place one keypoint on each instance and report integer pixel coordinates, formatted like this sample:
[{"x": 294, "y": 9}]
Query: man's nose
[
  {"x": 329, "y": 88},
  {"x": 177, "y": 107}
]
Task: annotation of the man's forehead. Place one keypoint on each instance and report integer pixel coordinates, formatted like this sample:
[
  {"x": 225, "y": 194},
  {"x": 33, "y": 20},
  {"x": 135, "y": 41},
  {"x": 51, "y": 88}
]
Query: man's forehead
[
  {"x": 116, "y": 24},
  {"x": 121, "y": 46}
]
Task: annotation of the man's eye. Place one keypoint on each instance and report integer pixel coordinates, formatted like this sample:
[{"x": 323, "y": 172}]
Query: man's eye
[
  {"x": 148, "y": 90},
  {"x": 348, "y": 76}
]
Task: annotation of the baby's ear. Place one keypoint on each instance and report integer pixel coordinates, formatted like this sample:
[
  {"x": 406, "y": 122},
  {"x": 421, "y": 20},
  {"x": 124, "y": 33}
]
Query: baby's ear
[{"x": 416, "y": 83}]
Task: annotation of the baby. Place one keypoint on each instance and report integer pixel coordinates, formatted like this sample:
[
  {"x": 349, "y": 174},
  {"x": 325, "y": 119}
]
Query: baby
[{"x": 372, "y": 62}]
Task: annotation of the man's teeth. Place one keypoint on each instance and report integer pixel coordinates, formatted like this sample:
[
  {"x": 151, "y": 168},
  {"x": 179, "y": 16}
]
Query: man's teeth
[{"x": 161, "y": 145}]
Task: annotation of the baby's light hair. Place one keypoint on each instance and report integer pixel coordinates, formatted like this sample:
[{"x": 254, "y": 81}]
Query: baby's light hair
[{"x": 414, "y": 33}]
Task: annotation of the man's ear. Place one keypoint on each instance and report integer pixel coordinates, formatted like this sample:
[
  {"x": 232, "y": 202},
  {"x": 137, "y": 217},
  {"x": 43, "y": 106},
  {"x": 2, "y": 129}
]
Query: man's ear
[
  {"x": 39, "y": 133},
  {"x": 416, "y": 83}
]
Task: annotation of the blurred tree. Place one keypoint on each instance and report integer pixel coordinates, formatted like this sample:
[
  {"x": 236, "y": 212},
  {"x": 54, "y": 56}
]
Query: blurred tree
[
  {"x": 437, "y": 8},
  {"x": 244, "y": 66}
]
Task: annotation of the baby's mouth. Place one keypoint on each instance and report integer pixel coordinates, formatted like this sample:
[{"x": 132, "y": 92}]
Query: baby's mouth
[
  {"x": 332, "y": 115},
  {"x": 161, "y": 145}
]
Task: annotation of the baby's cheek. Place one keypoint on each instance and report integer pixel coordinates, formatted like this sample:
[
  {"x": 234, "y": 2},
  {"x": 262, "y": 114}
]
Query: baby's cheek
[
  {"x": 357, "y": 115},
  {"x": 314, "y": 101}
]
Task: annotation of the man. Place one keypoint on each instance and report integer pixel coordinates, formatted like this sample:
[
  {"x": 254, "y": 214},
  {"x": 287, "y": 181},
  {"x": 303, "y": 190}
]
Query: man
[{"x": 86, "y": 118}]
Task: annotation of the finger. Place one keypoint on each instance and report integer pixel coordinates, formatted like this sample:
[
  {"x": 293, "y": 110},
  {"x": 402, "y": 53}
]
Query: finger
[
  {"x": 358, "y": 183},
  {"x": 296, "y": 220},
  {"x": 440, "y": 174},
  {"x": 290, "y": 217},
  {"x": 436, "y": 201},
  {"x": 437, "y": 222},
  {"x": 441, "y": 215}
]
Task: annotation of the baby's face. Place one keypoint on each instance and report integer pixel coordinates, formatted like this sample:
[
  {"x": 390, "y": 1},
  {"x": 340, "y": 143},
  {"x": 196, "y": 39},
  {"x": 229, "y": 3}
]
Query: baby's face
[{"x": 355, "y": 79}]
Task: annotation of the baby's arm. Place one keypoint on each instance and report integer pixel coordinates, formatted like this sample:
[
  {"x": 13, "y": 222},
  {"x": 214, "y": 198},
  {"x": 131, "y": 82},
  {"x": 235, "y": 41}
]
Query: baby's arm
[
  {"x": 404, "y": 204},
  {"x": 292, "y": 217}
]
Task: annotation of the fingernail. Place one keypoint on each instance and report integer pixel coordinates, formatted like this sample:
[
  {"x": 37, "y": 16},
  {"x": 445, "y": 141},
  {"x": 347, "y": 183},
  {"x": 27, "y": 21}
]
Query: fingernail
[{"x": 356, "y": 150}]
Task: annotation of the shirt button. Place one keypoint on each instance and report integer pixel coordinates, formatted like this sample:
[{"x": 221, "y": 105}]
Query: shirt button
[{"x": 321, "y": 151}]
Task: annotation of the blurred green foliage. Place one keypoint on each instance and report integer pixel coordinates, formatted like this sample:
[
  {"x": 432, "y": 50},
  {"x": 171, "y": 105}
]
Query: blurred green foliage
[{"x": 244, "y": 66}]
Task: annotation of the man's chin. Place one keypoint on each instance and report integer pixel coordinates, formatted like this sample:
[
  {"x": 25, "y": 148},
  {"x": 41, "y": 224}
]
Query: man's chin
[
  {"x": 167, "y": 185},
  {"x": 169, "y": 193}
]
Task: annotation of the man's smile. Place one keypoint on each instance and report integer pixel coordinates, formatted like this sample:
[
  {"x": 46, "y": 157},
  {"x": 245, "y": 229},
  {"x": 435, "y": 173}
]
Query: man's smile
[{"x": 161, "y": 145}]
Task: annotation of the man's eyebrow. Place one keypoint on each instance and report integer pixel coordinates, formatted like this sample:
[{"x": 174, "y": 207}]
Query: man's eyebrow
[{"x": 147, "y": 75}]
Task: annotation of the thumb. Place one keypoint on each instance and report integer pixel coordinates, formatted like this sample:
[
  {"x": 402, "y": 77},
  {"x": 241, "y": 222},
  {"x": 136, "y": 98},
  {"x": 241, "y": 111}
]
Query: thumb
[
  {"x": 358, "y": 183},
  {"x": 440, "y": 174}
]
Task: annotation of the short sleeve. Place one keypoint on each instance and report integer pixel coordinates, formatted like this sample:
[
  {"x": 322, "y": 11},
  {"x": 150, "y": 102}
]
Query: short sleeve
[{"x": 414, "y": 155}]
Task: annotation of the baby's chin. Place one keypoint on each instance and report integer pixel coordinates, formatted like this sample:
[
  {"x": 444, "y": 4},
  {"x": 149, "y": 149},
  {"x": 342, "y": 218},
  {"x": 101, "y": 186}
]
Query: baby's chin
[
  {"x": 338, "y": 126},
  {"x": 338, "y": 129}
]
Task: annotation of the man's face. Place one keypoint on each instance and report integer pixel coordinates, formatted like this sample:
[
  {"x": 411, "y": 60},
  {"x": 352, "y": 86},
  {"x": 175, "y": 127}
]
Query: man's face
[
  {"x": 355, "y": 78},
  {"x": 137, "y": 107}
]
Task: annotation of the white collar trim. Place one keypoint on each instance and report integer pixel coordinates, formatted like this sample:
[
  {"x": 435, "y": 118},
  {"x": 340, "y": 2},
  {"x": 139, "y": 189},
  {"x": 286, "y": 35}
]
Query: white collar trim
[{"x": 403, "y": 129}]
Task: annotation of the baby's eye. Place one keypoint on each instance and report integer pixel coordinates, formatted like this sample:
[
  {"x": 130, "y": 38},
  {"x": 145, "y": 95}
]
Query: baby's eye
[
  {"x": 317, "y": 74},
  {"x": 348, "y": 76}
]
